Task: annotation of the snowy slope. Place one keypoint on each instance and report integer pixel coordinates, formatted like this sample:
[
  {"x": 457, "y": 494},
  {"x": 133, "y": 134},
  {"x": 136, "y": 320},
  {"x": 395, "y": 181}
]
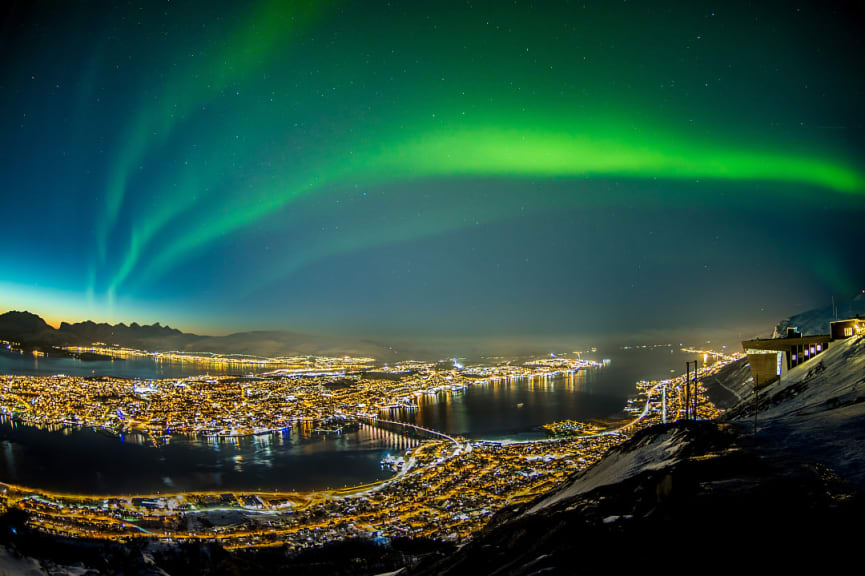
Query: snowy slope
[
  {"x": 816, "y": 321},
  {"x": 648, "y": 453},
  {"x": 12, "y": 563},
  {"x": 730, "y": 385},
  {"x": 817, "y": 410},
  {"x": 819, "y": 413},
  {"x": 800, "y": 480}
]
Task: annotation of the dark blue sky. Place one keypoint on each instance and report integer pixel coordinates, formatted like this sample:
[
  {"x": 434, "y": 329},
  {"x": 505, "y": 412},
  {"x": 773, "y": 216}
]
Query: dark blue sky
[{"x": 431, "y": 170}]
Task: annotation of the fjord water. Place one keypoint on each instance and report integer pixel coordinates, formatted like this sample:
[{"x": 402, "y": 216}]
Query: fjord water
[
  {"x": 142, "y": 367},
  {"x": 87, "y": 461},
  {"x": 516, "y": 409},
  {"x": 91, "y": 462}
]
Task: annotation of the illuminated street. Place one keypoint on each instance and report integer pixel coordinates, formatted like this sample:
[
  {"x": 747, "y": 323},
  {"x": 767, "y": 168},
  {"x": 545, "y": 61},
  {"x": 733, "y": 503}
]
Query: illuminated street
[{"x": 445, "y": 488}]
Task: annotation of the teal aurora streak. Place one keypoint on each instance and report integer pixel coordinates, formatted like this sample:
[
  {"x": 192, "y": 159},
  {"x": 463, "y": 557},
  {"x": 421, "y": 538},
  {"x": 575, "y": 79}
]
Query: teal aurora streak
[
  {"x": 495, "y": 150},
  {"x": 499, "y": 141}
]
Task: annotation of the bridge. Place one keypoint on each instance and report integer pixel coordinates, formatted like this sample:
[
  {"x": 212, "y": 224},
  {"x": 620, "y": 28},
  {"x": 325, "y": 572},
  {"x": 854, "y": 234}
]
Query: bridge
[
  {"x": 615, "y": 431},
  {"x": 430, "y": 431}
]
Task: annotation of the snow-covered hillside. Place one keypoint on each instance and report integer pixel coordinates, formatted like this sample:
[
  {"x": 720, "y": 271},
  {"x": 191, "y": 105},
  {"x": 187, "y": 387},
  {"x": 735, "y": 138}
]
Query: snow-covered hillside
[
  {"x": 651, "y": 452},
  {"x": 816, "y": 321},
  {"x": 12, "y": 563},
  {"x": 800, "y": 480},
  {"x": 817, "y": 410}
]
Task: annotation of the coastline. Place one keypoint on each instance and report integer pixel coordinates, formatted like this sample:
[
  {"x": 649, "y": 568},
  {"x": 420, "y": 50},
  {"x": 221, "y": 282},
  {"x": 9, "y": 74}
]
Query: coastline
[{"x": 616, "y": 427}]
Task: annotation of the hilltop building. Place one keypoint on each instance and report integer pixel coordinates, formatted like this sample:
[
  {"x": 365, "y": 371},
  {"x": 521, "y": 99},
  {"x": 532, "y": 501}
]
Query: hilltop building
[
  {"x": 841, "y": 329},
  {"x": 771, "y": 358}
]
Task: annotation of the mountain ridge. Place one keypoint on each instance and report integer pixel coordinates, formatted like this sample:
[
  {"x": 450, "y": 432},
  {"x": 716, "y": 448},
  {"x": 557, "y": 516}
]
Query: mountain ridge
[{"x": 33, "y": 333}]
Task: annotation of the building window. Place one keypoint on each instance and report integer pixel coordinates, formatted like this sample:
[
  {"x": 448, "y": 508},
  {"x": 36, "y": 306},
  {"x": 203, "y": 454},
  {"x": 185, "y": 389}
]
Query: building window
[
  {"x": 819, "y": 347},
  {"x": 848, "y": 331}
]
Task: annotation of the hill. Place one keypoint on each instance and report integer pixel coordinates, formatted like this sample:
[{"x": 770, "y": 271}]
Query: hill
[
  {"x": 816, "y": 321},
  {"x": 32, "y": 332},
  {"x": 692, "y": 494},
  {"x": 24, "y": 327},
  {"x": 705, "y": 491}
]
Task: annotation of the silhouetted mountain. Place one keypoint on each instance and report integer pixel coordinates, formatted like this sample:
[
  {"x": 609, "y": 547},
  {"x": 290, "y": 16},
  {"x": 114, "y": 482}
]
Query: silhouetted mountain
[
  {"x": 31, "y": 331},
  {"x": 133, "y": 335},
  {"x": 689, "y": 493},
  {"x": 24, "y": 327},
  {"x": 287, "y": 343}
]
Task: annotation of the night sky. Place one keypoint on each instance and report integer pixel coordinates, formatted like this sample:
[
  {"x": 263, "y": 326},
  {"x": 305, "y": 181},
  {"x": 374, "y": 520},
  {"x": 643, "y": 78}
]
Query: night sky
[{"x": 482, "y": 170}]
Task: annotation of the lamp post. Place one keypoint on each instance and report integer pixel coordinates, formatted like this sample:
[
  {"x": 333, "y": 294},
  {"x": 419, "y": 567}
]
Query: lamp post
[
  {"x": 664, "y": 403},
  {"x": 694, "y": 397},
  {"x": 756, "y": 403},
  {"x": 687, "y": 388}
]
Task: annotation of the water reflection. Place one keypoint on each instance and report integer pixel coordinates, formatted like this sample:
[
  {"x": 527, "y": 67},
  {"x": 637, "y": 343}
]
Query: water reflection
[
  {"x": 515, "y": 407},
  {"x": 88, "y": 461},
  {"x": 518, "y": 407},
  {"x": 93, "y": 461},
  {"x": 135, "y": 367}
]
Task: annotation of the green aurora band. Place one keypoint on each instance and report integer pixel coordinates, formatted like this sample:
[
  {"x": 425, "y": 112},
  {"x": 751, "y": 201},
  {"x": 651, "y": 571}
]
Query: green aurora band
[
  {"x": 599, "y": 151},
  {"x": 503, "y": 141},
  {"x": 269, "y": 26}
]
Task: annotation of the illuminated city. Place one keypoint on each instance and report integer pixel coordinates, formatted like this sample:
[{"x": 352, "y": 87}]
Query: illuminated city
[
  {"x": 463, "y": 482},
  {"x": 412, "y": 288},
  {"x": 316, "y": 390}
]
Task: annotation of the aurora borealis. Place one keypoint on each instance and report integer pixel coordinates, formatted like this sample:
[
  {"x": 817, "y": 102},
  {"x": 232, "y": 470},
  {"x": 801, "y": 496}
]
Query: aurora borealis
[{"x": 429, "y": 169}]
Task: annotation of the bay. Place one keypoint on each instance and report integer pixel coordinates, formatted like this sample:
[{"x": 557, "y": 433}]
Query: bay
[{"x": 93, "y": 462}]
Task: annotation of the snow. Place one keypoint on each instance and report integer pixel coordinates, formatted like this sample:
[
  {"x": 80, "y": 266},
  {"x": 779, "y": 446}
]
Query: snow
[
  {"x": 811, "y": 389},
  {"x": 734, "y": 379},
  {"x": 816, "y": 321},
  {"x": 817, "y": 410},
  {"x": 654, "y": 453},
  {"x": 10, "y": 564}
]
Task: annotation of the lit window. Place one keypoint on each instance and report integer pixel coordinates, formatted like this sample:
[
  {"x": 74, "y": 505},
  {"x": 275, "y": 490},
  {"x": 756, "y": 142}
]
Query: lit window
[
  {"x": 819, "y": 347},
  {"x": 848, "y": 331}
]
